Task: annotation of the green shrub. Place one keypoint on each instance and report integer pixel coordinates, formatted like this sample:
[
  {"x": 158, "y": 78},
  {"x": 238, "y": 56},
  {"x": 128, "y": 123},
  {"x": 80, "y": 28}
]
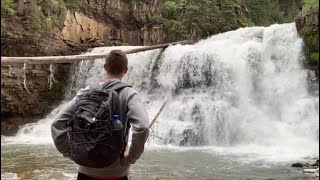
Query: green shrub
[
  {"x": 7, "y": 7},
  {"x": 57, "y": 17},
  {"x": 37, "y": 19},
  {"x": 56, "y": 21},
  {"x": 313, "y": 59},
  {"x": 210, "y": 16},
  {"x": 310, "y": 6},
  {"x": 246, "y": 23},
  {"x": 74, "y": 4},
  {"x": 311, "y": 38},
  {"x": 237, "y": 5},
  {"x": 48, "y": 23}
]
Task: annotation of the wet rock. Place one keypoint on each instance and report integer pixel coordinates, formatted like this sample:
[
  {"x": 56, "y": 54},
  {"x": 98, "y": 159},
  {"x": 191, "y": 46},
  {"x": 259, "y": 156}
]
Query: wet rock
[
  {"x": 191, "y": 138},
  {"x": 311, "y": 170},
  {"x": 194, "y": 136},
  {"x": 299, "y": 165},
  {"x": 170, "y": 137},
  {"x": 316, "y": 164},
  {"x": 313, "y": 83},
  {"x": 8, "y": 129},
  {"x": 11, "y": 125},
  {"x": 24, "y": 175},
  {"x": 305, "y": 165}
]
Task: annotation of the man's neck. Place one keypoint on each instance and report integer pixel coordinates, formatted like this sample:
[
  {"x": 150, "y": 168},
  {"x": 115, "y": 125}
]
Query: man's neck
[{"x": 109, "y": 77}]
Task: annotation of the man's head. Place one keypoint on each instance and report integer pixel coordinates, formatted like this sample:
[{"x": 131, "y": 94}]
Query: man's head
[{"x": 116, "y": 63}]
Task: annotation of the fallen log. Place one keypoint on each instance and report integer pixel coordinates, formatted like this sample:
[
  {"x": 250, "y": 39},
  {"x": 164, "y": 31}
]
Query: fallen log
[{"x": 74, "y": 58}]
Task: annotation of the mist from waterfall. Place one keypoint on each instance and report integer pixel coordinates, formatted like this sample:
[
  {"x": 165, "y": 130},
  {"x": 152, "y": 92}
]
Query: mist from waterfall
[{"x": 243, "y": 91}]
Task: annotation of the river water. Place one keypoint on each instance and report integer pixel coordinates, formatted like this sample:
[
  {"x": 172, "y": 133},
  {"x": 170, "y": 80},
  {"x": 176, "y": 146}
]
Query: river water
[{"x": 238, "y": 107}]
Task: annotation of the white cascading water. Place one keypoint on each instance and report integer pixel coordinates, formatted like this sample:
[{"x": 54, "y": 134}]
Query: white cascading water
[{"x": 242, "y": 91}]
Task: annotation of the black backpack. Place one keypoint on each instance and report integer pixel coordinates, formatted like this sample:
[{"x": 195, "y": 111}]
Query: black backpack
[{"x": 93, "y": 141}]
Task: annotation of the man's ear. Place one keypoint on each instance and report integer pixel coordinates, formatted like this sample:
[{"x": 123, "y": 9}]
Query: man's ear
[
  {"x": 125, "y": 70},
  {"x": 105, "y": 67}
]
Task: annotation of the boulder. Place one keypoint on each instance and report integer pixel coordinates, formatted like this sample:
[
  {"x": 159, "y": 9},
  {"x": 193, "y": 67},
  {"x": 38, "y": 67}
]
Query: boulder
[
  {"x": 298, "y": 165},
  {"x": 311, "y": 170},
  {"x": 191, "y": 138},
  {"x": 316, "y": 164},
  {"x": 24, "y": 175}
]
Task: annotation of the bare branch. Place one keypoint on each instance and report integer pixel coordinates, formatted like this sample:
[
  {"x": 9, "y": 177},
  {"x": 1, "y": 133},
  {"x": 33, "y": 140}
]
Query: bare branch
[
  {"x": 23, "y": 74},
  {"x": 51, "y": 78},
  {"x": 157, "y": 115}
]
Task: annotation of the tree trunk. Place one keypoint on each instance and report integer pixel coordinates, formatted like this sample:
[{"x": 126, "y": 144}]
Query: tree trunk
[{"x": 74, "y": 58}]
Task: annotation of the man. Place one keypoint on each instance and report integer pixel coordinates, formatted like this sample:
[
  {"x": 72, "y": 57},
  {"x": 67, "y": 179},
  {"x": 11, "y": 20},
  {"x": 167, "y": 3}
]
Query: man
[{"x": 131, "y": 108}]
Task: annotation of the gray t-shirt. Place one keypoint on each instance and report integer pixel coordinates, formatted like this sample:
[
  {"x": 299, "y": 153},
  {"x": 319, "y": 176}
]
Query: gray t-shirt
[{"x": 131, "y": 107}]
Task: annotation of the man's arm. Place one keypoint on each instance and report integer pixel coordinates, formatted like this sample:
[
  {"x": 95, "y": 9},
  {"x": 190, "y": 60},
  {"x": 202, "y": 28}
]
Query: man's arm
[
  {"x": 139, "y": 121},
  {"x": 59, "y": 130}
]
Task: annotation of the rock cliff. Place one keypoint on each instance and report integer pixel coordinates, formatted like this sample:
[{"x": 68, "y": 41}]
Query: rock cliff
[{"x": 307, "y": 23}]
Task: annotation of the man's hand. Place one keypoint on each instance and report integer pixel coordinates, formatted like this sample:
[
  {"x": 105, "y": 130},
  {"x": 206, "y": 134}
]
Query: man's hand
[{"x": 124, "y": 159}]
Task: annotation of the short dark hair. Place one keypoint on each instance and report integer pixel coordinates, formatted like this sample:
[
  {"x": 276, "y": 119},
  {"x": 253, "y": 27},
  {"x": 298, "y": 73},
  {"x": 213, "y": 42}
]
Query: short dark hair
[{"x": 116, "y": 62}]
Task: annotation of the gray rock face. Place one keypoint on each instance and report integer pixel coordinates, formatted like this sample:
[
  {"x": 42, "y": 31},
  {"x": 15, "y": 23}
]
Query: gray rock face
[
  {"x": 191, "y": 138},
  {"x": 313, "y": 83},
  {"x": 18, "y": 106}
]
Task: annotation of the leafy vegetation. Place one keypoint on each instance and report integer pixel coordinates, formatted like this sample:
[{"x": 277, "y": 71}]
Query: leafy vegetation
[
  {"x": 310, "y": 34},
  {"x": 206, "y": 16},
  {"x": 263, "y": 12},
  {"x": 7, "y": 7},
  {"x": 214, "y": 16},
  {"x": 38, "y": 17},
  {"x": 73, "y": 4},
  {"x": 310, "y": 6},
  {"x": 311, "y": 40}
]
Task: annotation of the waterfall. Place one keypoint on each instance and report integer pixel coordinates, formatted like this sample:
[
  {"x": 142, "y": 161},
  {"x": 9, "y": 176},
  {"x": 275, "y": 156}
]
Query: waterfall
[{"x": 243, "y": 88}]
